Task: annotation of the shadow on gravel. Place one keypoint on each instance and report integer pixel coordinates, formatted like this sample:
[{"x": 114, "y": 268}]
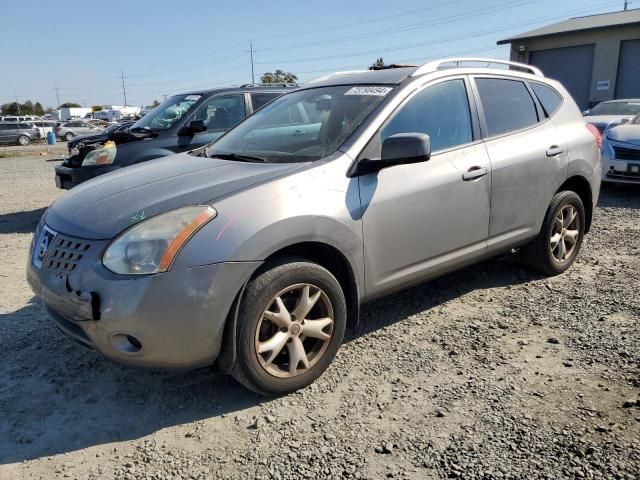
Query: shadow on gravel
[
  {"x": 20, "y": 222},
  {"x": 497, "y": 272},
  {"x": 57, "y": 397},
  {"x": 619, "y": 196}
]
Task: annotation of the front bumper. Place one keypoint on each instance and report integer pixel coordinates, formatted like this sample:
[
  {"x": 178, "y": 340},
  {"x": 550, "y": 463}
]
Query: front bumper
[
  {"x": 69, "y": 177},
  {"x": 169, "y": 320},
  {"x": 620, "y": 170}
]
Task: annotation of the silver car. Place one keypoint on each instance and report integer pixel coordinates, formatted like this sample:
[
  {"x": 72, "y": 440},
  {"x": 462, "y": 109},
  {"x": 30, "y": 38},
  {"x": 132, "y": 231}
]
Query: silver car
[
  {"x": 256, "y": 252},
  {"x": 611, "y": 113},
  {"x": 75, "y": 128},
  {"x": 18, "y": 133},
  {"x": 621, "y": 153}
]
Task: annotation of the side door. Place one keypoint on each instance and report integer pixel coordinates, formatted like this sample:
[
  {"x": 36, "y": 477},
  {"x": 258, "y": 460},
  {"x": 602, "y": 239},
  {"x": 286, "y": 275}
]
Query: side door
[
  {"x": 528, "y": 157},
  {"x": 4, "y": 133},
  {"x": 87, "y": 129},
  {"x": 422, "y": 219}
]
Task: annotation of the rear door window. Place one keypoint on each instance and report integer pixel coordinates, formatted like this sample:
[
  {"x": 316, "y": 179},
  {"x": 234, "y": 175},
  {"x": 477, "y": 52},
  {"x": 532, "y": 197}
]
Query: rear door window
[
  {"x": 548, "y": 98},
  {"x": 222, "y": 113},
  {"x": 507, "y": 105},
  {"x": 260, "y": 99}
]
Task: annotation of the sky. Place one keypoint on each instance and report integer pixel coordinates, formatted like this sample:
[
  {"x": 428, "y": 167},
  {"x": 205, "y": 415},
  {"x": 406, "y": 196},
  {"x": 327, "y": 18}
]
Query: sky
[{"x": 166, "y": 47}]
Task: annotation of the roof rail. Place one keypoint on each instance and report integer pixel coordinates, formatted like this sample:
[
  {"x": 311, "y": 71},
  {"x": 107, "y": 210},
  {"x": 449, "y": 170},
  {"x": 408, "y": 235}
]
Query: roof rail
[
  {"x": 441, "y": 64},
  {"x": 278, "y": 84}
]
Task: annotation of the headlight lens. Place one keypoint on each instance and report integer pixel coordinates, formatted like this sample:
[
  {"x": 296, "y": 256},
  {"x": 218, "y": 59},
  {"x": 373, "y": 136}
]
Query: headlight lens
[
  {"x": 103, "y": 156},
  {"x": 151, "y": 245}
]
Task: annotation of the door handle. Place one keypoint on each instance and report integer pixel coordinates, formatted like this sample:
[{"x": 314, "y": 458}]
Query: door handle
[
  {"x": 554, "y": 150},
  {"x": 299, "y": 133},
  {"x": 475, "y": 172}
]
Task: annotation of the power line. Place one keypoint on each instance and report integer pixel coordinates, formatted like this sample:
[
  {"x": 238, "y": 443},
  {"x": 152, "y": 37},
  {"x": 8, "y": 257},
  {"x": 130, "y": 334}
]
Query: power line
[
  {"x": 363, "y": 22},
  {"x": 466, "y": 35},
  {"x": 412, "y": 26}
]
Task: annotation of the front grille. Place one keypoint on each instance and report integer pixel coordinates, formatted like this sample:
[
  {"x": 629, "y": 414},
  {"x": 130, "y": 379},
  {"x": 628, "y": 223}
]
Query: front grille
[
  {"x": 65, "y": 254},
  {"x": 623, "y": 153}
]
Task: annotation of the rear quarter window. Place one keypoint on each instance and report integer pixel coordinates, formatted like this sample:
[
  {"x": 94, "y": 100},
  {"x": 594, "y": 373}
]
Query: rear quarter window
[
  {"x": 507, "y": 105},
  {"x": 548, "y": 98}
]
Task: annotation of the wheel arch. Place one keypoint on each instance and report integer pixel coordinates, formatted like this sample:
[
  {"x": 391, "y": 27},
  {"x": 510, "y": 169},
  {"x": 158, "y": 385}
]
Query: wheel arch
[
  {"x": 321, "y": 253},
  {"x": 582, "y": 188}
]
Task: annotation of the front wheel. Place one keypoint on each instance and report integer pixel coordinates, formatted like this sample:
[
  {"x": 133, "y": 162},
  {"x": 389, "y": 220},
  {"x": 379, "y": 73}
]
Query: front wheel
[
  {"x": 23, "y": 140},
  {"x": 555, "y": 248},
  {"x": 69, "y": 136},
  {"x": 291, "y": 324}
]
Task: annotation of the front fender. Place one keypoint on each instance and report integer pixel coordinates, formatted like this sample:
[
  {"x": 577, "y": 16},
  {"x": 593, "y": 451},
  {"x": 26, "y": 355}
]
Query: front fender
[{"x": 316, "y": 205}]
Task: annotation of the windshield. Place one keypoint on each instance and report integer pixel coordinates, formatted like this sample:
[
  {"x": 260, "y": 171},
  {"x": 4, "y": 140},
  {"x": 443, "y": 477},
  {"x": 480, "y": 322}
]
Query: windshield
[
  {"x": 167, "y": 113},
  {"x": 615, "y": 108},
  {"x": 302, "y": 126}
]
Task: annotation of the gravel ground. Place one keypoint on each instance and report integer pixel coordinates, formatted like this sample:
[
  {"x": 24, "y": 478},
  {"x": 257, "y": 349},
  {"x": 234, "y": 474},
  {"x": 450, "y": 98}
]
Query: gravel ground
[{"x": 491, "y": 372}]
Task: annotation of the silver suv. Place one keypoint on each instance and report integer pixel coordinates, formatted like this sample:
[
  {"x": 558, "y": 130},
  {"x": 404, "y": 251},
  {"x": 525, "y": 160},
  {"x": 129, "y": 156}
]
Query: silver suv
[
  {"x": 75, "y": 128},
  {"x": 18, "y": 133},
  {"x": 257, "y": 251}
]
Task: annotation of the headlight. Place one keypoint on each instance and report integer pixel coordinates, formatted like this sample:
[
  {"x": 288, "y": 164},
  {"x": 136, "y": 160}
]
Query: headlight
[
  {"x": 103, "y": 156},
  {"x": 151, "y": 245}
]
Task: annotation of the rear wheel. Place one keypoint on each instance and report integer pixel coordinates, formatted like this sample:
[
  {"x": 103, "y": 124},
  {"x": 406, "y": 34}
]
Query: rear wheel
[
  {"x": 23, "y": 140},
  {"x": 69, "y": 136},
  {"x": 555, "y": 248},
  {"x": 291, "y": 324}
]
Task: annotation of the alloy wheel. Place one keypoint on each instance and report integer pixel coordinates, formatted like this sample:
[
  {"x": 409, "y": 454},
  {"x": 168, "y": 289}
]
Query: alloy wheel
[
  {"x": 565, "y": 233},
  {"x": 23, "y": 140},
  {"x": 294, "y": 331}
]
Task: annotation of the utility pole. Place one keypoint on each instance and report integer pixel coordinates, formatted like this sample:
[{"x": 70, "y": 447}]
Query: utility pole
[
  {"x": 253, "y": 79},
  {"x": 17, "y": 103},
  {"x": 56, "y": 88},
  {"x": 626, "y": 5},
  {"x": 124, "y": 90}
]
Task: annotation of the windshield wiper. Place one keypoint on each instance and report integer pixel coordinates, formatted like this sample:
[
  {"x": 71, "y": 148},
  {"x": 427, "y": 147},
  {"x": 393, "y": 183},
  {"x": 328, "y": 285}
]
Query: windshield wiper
[{"x": 240, "y": 158}]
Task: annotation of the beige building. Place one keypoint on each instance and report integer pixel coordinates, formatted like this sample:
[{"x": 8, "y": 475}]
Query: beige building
[{"x": 596, "y": 57}]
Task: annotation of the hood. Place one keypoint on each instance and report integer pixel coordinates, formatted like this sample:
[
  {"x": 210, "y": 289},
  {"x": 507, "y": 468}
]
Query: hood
[
  {"x": 106, "y": 205},
  {"x": 625, "y": 133},
  {"x": 605, "y": 119}
]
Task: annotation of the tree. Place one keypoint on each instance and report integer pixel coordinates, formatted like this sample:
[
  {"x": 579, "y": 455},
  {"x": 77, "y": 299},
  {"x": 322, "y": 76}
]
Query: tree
[
  {"x": 38, "y": 109},
  {"x": 70, "y": 105},
  {"x": 379, "y": 63},
  {"x": 155, "y": 103},
  {"x": 279, "y": 76},
  {"x": 10, "y": 108}
]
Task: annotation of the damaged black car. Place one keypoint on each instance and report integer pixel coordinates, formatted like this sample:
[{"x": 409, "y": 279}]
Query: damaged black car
[{"x": 181, "y": 123}]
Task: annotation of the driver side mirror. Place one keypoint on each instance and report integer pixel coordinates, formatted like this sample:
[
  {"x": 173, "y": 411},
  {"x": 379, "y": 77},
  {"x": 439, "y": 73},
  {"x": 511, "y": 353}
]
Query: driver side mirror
[
  {"x": 399, "y": 149},
  {"x": 194, "y": 126}
]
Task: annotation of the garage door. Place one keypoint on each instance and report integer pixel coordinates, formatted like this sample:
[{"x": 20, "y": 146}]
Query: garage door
[
  {"x": 572, "y": 66},
  {"x": 628, "y": 83}
]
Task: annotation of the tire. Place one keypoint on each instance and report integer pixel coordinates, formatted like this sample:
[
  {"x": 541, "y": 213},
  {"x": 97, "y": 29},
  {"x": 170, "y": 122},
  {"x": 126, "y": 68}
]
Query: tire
[
  {"x": 545, "y": 253},
  {"x": 68, "y": 136},
  {"x": 23, "y": 140},
  {"x": 268, "y": 372}
]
